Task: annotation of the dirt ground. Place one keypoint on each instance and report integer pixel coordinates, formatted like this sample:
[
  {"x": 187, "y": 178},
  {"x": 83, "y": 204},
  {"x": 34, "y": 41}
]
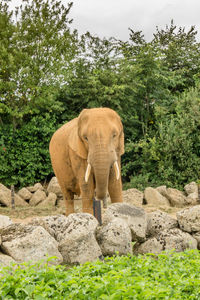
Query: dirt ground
[{"x": 25, "y": 214}]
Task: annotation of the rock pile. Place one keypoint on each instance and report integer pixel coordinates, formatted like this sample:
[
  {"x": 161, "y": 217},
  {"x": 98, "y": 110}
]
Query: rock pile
[
  {"x": 78, "y": 238},
  {"x": 161, "y": 196}
]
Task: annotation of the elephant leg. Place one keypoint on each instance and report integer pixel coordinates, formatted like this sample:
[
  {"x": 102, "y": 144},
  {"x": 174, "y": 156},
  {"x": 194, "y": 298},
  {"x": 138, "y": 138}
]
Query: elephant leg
[
  {"x": 114, "y": 187},
  {"x": 69, "y": 202},
  {"x": 87, "y": 194}
]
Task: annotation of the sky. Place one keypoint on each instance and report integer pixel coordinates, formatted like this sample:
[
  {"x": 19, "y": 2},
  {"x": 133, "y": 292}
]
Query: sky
[{"x": 112, "y": 18}]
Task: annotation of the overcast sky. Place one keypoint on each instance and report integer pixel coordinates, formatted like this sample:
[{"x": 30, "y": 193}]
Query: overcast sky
[{"x": 107, "y": 18}]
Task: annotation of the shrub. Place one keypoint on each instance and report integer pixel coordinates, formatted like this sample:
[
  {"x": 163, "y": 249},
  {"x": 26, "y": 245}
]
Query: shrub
[{"x": 24, "y": 153}]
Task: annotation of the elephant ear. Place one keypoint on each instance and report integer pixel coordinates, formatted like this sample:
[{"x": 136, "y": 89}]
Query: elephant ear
[
  {"x": 121, "y": 143},
  {"x": 75, "y": 143}
]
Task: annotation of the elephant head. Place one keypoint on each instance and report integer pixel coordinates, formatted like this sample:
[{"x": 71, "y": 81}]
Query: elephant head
[{"x": 99, "y": 139}]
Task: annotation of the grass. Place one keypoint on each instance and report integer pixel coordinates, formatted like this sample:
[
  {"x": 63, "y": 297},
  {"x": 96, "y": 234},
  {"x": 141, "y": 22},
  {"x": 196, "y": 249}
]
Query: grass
[{"x": 165, "y": 276}]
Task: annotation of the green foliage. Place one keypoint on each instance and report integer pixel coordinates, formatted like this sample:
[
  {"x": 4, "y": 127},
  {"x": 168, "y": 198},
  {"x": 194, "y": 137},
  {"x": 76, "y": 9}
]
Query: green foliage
[
  {"x": 164, "y": 276},
  {"x": 45, "y": 67},
  {"x": 172, "y": 154},
  {"x": 24, "y": 153}
]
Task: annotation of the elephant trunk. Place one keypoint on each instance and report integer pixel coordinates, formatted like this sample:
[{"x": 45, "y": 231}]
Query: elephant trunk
[{"x": 101, "y": 162}]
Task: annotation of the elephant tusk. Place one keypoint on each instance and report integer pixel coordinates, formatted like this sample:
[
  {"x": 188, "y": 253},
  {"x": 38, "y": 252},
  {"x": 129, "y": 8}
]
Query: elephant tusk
[
  {"x": 116, "y": 167},
  {"x": 87, "y": 173}
]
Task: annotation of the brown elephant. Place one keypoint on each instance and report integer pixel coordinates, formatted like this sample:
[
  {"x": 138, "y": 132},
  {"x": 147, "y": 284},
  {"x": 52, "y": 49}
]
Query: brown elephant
[{"x": 86, "y": 157}]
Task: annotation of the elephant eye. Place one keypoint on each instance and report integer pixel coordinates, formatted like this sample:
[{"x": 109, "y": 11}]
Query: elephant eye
[
  {"x": 114, "y": 134},
  {"x": 85, "y": 138}
]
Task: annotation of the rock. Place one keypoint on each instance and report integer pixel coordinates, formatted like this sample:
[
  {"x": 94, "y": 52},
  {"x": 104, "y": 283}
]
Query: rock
[
  {"x": 5, "y": 221},
  {"x": 158, "y": 221},
  {"x": 29, "y": 243},
  {"x": 53, "y": 224},
  {"x": 176, "y": 197},
  {"x": 115, "y": 237},
  {"x": 196, "y": 236},
  {"x": 60, "y": 226},
  {"x": 178, "y": 240},
  {"x": 49, "y": 201},
  {"x": 6, "y": 260},
  {"x": 192, "y": 199},
  {"x": 5, "y": 197},
  {"x": 191, "y": 188},
  {"x": 54, "y": 187},
  {"x": 162, "y": 190},
  {"x": 77, "y": 224},
  {"x": 189, "y": 219},
  {"x": 80, "y": 248},
  {"x": 150, "y": 246},
  {"x": 172, "y": 239},
  {"x": 36, "y": 187},
  {"x": 25, "y": 194},
  {"x": 134, "y": 216},
  {"x": 154, "y": 198},
  {"x": 133, "y": 196},
  {"x": 37, "y": 197}
]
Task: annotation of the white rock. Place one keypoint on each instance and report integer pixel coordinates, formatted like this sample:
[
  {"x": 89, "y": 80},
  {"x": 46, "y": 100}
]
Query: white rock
[
  {"x": 5, "y": 197},
  {"x": 29, "y": 243},
  {"x": 115, "y": 237},
  {"x": 134, "y": 216},
  {"x": 189, "y": 219},
  {"x": 36, "y": 187},
  {"x": 154, "y": 198},
  {"x": 79, "y": 248},
  {"x": 49, "y": 201},
  {"x": 192, "y": 199},
  {"x": 191, "y": 188},
  {"x": 6, "y": 260},
  {"x": 54, "y": 187},
  {"x": 176, "y": 197},
  {"x": 25, "y": 194},
  {"x": 158, "y": 221},
  {"x": 5, "y": 221},
  {"x": 37, "y": 197},
  {"x": 152, "y": 245},
  {"x": 133, "y": 196}
]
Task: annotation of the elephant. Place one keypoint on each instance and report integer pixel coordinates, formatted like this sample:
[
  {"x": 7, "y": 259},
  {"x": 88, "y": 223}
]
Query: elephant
[{"x": 86, "y": 157}]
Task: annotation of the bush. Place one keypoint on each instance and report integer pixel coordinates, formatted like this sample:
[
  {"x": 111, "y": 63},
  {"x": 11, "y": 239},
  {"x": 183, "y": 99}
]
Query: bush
[
  {"x": 171, "y": 154},
  {"x": 163, "y": 276},
  {"x": 24, "y": 153}
]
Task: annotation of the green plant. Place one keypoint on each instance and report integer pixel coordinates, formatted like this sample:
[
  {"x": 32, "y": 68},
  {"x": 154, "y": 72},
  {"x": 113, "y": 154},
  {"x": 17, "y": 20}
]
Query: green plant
[
  {"x": 149, "y": 277},
  {"x": 24, "y": 153}
]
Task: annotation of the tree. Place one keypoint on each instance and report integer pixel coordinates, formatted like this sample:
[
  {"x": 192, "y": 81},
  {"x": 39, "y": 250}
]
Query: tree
[{"x": 38, "y": 51}]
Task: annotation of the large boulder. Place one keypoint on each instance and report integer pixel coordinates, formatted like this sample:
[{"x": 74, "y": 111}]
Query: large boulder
[
  {"x": 152, "y": 245},
  {"x": 25, "y": 194},
  {"x": 134, "y": 216},
  {"x": 172, "y": 239},
  {"x": 35, "y": 187},
  {"x": 54, "y": 187},
  {"x": 37, "y": 197},
  {"x": 60, "y": 226},
  {"x": 5, "y": 197},
  {"x": 154, "y": 198},
  {"x": 189, "y": 219},
  {"x": 158, "y": 221},
  {"x": 29, "y": 243},
  {"x": 133, "y": 196},
  {"x": 48, "y": 201},
  {"x": 115, "y": 237},
  {"x": 79, "y": 248},
  {"x": 5, "y": 221},
  {"x": 176, "y": 197},
  {"x": 6, "y": 260},
  {"x": 191, "y": 188}
]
